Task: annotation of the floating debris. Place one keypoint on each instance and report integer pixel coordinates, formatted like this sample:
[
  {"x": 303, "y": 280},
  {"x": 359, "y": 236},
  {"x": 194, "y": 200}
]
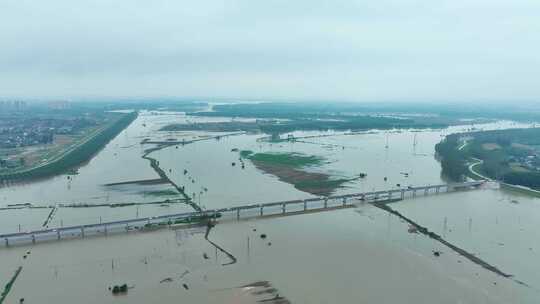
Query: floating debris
[
  {"x": 184, "y": 274},
  {"x": 185, "y": 286},
  {"x": 437, "y": 253},
  {"x": 122, "y": 289},
  {"x": 263, "y": 236},
  {"x": 263, "y": 292},
  {"x": 265, "y": 284}
]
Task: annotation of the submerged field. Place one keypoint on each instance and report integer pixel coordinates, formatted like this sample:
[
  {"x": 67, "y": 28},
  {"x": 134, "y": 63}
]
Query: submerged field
[
  {"x": 343, "y": 256},
  {"x": 291, "y": 168},
  {"x": 360, "y": 255}
]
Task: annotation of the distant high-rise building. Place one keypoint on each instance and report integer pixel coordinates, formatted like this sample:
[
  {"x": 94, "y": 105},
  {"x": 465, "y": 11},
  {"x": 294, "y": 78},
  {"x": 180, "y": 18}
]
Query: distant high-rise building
[
  {"x": 12, "y": 105},
  {"x": 59, "y": 105}
]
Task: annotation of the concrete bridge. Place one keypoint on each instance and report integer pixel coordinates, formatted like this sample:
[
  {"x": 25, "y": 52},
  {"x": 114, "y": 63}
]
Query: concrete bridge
[{"x": 232, "y": 213}]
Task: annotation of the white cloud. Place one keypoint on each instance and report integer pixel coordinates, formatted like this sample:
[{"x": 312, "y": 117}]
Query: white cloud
[{"x": 358, "y": 50}]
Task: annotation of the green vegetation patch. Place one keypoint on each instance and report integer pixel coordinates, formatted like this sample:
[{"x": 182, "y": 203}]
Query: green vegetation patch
[
  {"x": 81, "y": 153},
  {"x": 161, "y": 193},
  {"x": 288, "y": 167},
  {"x": 508, "y": 155},
  {"x": 246, "y": 153},
  {"x": 295, "y": 160},
  {"x": 491, "y": 146},
  {"x": 329, "y": 183},
  {"x": 9, "y": 285}
]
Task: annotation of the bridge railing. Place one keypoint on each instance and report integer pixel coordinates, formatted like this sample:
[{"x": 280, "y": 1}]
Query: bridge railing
[{"x": 231, "y": 213}]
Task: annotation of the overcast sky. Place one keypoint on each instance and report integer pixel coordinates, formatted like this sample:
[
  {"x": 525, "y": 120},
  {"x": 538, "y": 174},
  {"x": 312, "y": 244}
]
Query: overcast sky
[{"x": 370, "y": 50}]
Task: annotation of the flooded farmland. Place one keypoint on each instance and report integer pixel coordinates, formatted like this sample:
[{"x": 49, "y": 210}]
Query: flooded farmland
[
  {"x": 350, "y": 255},
  {"x": 338, "y": 256}
]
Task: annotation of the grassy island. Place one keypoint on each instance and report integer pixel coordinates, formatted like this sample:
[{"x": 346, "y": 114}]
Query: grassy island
[{"x": 291, "y": 168}]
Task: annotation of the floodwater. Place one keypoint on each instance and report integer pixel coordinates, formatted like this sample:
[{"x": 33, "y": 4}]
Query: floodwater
[
  {"x": 214, "y": 182},
  {"x": 349, "y": 256},
  {"x": 497, "y": 226},
  {"x": 119, "y": 161},
  {"x": 352, "y": 255}
]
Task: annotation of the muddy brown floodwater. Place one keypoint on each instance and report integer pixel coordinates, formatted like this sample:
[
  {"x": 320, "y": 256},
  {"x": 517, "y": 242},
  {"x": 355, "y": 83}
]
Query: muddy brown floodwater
[
  {"x": 354, "y": 255},
  {"x": 351, "y": 255}
]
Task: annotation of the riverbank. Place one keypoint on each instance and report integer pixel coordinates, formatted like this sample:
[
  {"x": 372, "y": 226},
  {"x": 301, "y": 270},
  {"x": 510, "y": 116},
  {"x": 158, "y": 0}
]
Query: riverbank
[
  {"x": 510, "y": 155},
  {"x": 474, "y": 173},
  {"x": 74, "y": 156}
]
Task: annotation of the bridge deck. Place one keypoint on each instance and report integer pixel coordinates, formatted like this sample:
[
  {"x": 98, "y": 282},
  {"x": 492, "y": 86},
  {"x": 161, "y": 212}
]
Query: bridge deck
[{"x": 251, "y": 210}]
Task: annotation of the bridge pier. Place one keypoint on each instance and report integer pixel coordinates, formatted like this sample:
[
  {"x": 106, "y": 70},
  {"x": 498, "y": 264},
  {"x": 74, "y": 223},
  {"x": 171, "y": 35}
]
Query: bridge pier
[{"x": 31, "y": 236}]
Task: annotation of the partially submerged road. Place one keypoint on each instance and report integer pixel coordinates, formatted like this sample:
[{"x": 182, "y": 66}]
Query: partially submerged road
[{"x": 425, "y": 231}]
